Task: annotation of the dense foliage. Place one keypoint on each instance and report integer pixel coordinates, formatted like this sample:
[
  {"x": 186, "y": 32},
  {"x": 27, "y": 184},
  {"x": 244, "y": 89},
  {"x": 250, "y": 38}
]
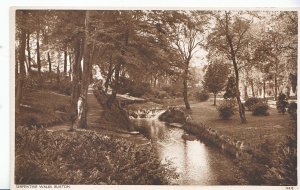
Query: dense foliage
[
  {"x": 230, "y": 90},
  {"x": 215, "y": 78},
  {"x": 226, "y": 109},
  {"x": 133, "y": 88},
  {"x": 85, "y": 157},
  {"x": 292, "y": 110},
  {"x": 49, "y": 81},
  {"x": 284, "y": 170},
  {"x": 251, "y": 102},
  {"x": 201, "y": 96},
  {"x": 282, "y": 103},
  {"x": 260, "y": 109}
]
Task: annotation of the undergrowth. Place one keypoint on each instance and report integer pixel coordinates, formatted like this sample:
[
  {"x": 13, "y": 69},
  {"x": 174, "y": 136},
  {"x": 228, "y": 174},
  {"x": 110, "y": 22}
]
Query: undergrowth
[{"x": 85, "y": 157}]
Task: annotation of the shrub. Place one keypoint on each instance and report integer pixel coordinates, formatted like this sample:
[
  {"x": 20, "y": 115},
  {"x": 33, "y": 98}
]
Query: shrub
[
  {"x": 292, "y": 110},
  {"x": 251, "y": 102},
  {"x": 284, "y": 170},
  {"x": 281, "y": 103},
  {"x": 201, "y": 96},
  {"x": 161, "y": 94},
  {"x": 171, "y": 90},
  {"x": 226, "y": 109},
  {"x": 134, "y": 88},
  {"x": 139, "y": 90},
  {"x": 260, "y": 108},
  {"x": 44, "y": 157},
  {"x": 230, "y": 90}
]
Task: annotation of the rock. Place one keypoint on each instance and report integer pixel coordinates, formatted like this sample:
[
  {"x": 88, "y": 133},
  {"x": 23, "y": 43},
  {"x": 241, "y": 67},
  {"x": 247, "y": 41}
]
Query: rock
[{"x": 173, "y": 115}]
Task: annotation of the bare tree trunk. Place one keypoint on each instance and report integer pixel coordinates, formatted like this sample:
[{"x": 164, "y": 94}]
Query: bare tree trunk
[
  {"x": 85, "y": 74},
  {"x": 57, "y": 74},
  {"x": 28, "y": 53},
  {"x": 215, "y": 99},
  {"x": 246, "y": 92},
  {"x": 80, "y": 57},
  {"x": 264, "y": 89},
  {"x": 120, "y": 61},
  {"x": 236, "y": 71},
  {"x": 252, "y": 88},
  {"x": 238, "y": 98},
  {"x": 185, "y": 88},
  {"x": 49, "y": 62},
  {"x": 75, "y": 84},
  {"x": 16, "y": 69},
  {"x": 275, "y": 79},
  {"x": 113, "y": 95},
  {"x": 65, "y": 62},
  {"x": 276, "y": 87},
  {"x": 20, "y": 78},
  {"x": 38, "y": 58},
  {"x": 70, "y": 68},
  {"x": 109, "y": 74}
]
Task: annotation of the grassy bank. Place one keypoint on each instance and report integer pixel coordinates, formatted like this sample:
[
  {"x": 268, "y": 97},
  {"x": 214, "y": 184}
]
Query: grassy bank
[
  {"x": 265, "y": 145},
  {"x": 258, "y": 129},
  {"x": 43, "y": 108}
]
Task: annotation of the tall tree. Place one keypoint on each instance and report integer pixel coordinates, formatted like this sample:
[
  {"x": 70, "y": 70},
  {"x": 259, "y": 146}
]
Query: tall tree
[
  {"x": 215, "y": 78},
  {"x": 87, "y": 55},
  {"x": 65, "y": 62},
  {"x": 28, "y": 51},
  {"x": 229, "y": 37},
  {"x": 187, "y": 39},
  {"x": 21, "y": 36}
]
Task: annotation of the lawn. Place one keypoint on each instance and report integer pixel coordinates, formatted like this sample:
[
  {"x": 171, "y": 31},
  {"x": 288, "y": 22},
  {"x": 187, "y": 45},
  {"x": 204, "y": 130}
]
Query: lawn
[
  {"x": 257, "y": 130},
  {"x": 43, "y": 108}
]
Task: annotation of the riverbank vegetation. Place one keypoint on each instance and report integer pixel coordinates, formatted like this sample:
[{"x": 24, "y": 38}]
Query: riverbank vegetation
[
  {"x": 47, "y": 157},
  {"x": 270, "y": 140}
]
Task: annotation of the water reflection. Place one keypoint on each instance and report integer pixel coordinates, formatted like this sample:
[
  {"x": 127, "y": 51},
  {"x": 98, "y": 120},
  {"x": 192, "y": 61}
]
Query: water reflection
[{"x": 195, "y": 162}]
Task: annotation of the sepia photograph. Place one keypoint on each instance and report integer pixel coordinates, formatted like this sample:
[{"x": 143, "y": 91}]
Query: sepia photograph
[{"x": 155, "y": 97}]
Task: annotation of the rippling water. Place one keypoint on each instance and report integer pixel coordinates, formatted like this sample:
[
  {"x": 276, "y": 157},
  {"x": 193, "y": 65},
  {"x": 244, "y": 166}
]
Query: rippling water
[{"x": 195, "y": 162}]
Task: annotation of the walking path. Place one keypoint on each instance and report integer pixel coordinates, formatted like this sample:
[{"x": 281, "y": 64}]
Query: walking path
[{"x": 97, "y": 122}]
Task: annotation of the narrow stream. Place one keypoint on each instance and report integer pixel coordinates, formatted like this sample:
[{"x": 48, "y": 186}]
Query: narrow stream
[{"x": 196, "y": 163}]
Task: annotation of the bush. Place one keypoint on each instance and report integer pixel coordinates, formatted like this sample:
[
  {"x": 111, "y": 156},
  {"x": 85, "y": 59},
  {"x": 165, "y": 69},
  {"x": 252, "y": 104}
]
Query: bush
[
  {"x": 230, "y": 90},
  {"x": 251, "y": 102},
  {"x": 172, "y": 90},
  {"x": 281, "y": 103},
  {"x": 292, "y": 110},
  {"x": 284, "y": 170},
  {"x": 226, "y": 109},
  {"x": 201, "y": 96},
  {"x": 161, "y": 94},
  {"x": 44, "y": 157},
  {"x": 139, "y": 90},
  {"x": 133, "y": 88},
  {"x": 260, "y": 108}
]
